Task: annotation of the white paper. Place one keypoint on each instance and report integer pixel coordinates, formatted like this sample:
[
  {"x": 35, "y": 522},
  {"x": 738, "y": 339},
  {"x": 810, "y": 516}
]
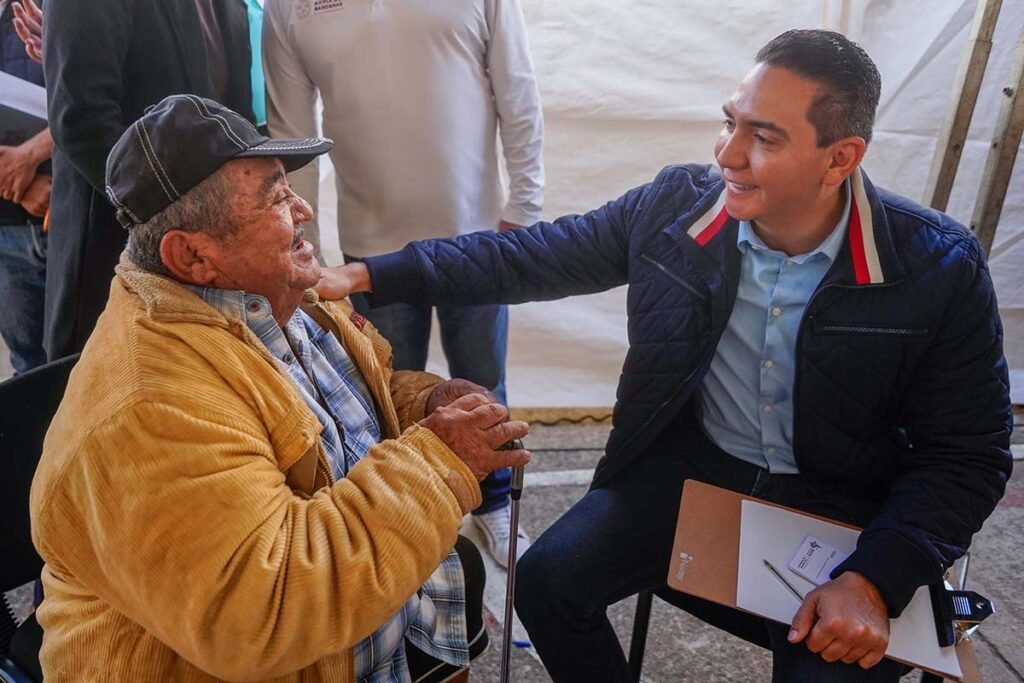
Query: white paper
[
  {"x": 769, "y": 533},
  {"x": 22, "y": 95}
]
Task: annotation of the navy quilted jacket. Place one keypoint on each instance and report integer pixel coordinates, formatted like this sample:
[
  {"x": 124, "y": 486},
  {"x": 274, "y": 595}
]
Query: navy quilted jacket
[{"x": 901, "y": 391}]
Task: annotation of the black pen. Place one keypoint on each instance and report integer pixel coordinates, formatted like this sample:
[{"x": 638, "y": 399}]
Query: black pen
[{"x": 782, "y": 578}]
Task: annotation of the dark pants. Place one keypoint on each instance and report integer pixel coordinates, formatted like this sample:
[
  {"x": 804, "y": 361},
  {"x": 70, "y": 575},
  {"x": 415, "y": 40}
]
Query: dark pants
[
  {"x": 617, "y": 541},
  {"x": 425, "y": 669}
]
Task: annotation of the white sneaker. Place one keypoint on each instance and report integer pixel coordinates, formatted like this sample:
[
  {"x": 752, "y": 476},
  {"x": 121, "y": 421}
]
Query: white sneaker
[{"x": 495, "y": 527}]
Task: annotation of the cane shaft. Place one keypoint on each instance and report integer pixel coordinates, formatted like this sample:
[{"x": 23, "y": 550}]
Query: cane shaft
[{"x": 510, "y": 584}]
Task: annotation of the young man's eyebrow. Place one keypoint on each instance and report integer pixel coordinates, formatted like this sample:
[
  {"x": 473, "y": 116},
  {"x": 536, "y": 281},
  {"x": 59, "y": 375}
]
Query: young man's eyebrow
[{"x": 755, "y": 123}]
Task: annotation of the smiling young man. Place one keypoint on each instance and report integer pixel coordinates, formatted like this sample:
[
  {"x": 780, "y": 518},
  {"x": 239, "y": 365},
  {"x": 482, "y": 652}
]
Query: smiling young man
[
  {"x": 236, "y": 485},
  {"x": 796, "y": 334}
]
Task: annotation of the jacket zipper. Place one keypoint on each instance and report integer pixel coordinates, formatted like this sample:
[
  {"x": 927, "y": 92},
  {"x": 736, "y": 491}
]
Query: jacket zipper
[
  {"x": 693, "y": 290},
  {"x": 827, "y": 328},
  {"x": 664, "y": 405}
]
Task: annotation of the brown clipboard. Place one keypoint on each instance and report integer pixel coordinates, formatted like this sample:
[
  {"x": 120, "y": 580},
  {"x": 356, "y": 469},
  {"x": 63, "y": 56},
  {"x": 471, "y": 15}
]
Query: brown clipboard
[{"x": 706, "y": 552}]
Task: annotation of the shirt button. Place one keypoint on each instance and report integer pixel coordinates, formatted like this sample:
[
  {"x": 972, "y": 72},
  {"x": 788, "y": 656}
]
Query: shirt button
[
  {"x": 776, "y": 311},
  {"x": 770, "y": 450},
  {"x": 288, "y": 358},
  {"x": 790, "y": 264},
  {"x": 769, "y": 364},
  {"x": 767, "y": 409},
  {"x": 253, "y": 306}
]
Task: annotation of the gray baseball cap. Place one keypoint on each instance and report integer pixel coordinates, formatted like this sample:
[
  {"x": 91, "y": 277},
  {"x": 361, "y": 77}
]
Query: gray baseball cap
[{"x": 180, "y": 142}]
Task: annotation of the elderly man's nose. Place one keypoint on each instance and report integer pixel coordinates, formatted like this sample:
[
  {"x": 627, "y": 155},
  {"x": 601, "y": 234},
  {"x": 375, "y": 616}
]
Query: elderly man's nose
[{"x": 301, "y": 208}]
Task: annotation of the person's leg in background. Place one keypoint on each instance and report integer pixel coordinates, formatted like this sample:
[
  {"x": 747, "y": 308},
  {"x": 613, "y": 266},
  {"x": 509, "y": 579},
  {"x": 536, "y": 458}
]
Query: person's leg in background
[
  {"x": 22, "y": 289},
  {"x": 475, "y": 343},
  {"x": 406, "y": 327}
]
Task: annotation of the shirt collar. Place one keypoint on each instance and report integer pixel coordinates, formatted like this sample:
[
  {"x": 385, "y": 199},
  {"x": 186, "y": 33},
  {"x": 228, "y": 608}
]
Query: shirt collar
[
  {"x": 255, "y": 311},
  {"x": 747, "y": 237}
]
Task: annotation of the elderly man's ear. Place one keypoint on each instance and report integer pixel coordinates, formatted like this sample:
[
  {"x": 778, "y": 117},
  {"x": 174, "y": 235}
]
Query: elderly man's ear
[{"x": 190, "y": 256}]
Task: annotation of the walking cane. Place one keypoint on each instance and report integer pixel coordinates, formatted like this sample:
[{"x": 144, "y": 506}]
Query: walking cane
[{"x": 510, "y": 584}]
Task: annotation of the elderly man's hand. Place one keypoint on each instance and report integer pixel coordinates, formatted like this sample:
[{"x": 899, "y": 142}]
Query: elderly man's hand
[
  {"x": 505, "y": 226},
  {"x": 337, "y": 282},
  {"x": 474, "y": 427},
  {"x": 28, "y": 24},
  {"x": 447, "y": 392},
  {"x": 844, "y": 620}
]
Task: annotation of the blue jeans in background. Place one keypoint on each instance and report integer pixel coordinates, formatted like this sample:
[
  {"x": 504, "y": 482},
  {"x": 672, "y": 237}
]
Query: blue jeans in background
[
  {"x": 22, "y": 284},
  {"x": 475, "y": 343}
]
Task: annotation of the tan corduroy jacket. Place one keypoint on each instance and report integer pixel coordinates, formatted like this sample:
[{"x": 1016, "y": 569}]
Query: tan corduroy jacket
[{"x": 184, "y": 509}]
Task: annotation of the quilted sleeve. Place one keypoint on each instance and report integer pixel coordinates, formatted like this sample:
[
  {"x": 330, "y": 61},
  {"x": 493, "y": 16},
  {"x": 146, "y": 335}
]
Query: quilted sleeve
[
  {"x": 958, "y": 417},
  {"x": 576, "y": 254}
]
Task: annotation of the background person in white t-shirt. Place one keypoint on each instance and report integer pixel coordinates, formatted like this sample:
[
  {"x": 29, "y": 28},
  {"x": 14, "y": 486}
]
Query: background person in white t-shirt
[{"x": 415, "y": 94}]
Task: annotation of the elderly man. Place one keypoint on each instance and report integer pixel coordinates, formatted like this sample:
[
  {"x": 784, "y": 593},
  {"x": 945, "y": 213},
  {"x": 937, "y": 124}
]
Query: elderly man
[
  {"x": 797, "y": 334},
  {"x": 236, "y": 485}
]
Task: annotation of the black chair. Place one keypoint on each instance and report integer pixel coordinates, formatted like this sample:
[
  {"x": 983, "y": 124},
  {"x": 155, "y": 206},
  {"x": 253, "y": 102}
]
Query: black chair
[{"x": 27, "y": 405}]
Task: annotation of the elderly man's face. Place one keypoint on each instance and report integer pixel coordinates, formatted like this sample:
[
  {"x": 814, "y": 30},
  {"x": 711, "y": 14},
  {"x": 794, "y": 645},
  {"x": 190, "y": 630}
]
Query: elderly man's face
[{"x": 266, "y": 255}]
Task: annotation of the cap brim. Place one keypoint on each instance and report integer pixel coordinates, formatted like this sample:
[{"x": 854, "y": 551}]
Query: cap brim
[{"x": 294, "y": 154}]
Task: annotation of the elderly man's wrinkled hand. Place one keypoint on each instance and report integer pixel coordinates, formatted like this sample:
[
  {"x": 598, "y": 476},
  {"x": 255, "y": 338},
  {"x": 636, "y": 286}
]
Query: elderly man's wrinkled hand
[
  {"x": 844, "y": 620},
  {"x": 475, "y": 427},
  {"x": 337, "y": 282},
  {"x": 447, "y": 392}
]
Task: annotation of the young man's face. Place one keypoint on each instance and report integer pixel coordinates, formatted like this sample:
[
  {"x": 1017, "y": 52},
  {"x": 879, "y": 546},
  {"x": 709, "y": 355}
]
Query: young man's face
[
  {"x": 267, "y": 254},
  {"x": 768, "y": 150}
]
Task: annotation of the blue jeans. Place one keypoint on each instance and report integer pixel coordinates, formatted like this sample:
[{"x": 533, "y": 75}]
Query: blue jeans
[
  {"x": 617, "y": 541},
  {"x": 22, "y": 284},
  {"x": 475, "y": 343}
]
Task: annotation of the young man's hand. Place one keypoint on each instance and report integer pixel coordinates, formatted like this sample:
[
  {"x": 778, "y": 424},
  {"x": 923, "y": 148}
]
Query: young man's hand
[
  {"x": 475, "y": 427},
  {"x": 36, "y": 199},
  {"x": 337, "y": 282},
  {"x": 844, "y": 620},
  {"x": 505, "y": 226},
  {"x": 28, "y": 24}
]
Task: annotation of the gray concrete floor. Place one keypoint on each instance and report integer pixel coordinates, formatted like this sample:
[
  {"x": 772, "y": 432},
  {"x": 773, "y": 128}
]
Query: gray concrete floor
[{"x": 681, "y": 648}]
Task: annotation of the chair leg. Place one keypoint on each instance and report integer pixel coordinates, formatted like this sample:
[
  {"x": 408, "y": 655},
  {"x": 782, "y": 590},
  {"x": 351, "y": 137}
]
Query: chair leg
[{"x": 639, "y": 641}]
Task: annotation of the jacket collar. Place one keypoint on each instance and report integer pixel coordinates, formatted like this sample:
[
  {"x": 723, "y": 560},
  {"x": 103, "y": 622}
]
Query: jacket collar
[
  {"x": 294, "y": 425},
  {"x": 168, "y": 301},
  {"x": 868, "y": 256}
]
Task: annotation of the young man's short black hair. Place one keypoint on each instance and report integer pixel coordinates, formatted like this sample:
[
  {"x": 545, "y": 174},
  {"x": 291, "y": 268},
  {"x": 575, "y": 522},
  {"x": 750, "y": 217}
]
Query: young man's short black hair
[{"x": 849, "y": 79}]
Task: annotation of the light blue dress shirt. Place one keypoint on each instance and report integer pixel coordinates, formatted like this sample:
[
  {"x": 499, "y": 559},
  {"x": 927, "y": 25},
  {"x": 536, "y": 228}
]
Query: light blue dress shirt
[{"x": 746, "y": 398}]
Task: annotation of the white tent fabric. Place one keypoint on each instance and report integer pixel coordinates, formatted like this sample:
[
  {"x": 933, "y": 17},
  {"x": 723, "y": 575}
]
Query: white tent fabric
[{"x": 629, "y": 87}]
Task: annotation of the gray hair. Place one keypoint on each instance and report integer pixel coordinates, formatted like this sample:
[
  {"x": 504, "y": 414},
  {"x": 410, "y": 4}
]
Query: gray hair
[{"x": 204, "y": 208}]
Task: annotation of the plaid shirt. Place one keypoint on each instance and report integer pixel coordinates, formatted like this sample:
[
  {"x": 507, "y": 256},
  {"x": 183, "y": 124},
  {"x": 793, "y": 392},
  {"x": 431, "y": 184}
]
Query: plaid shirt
[{"x": 434, "y": 620}]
